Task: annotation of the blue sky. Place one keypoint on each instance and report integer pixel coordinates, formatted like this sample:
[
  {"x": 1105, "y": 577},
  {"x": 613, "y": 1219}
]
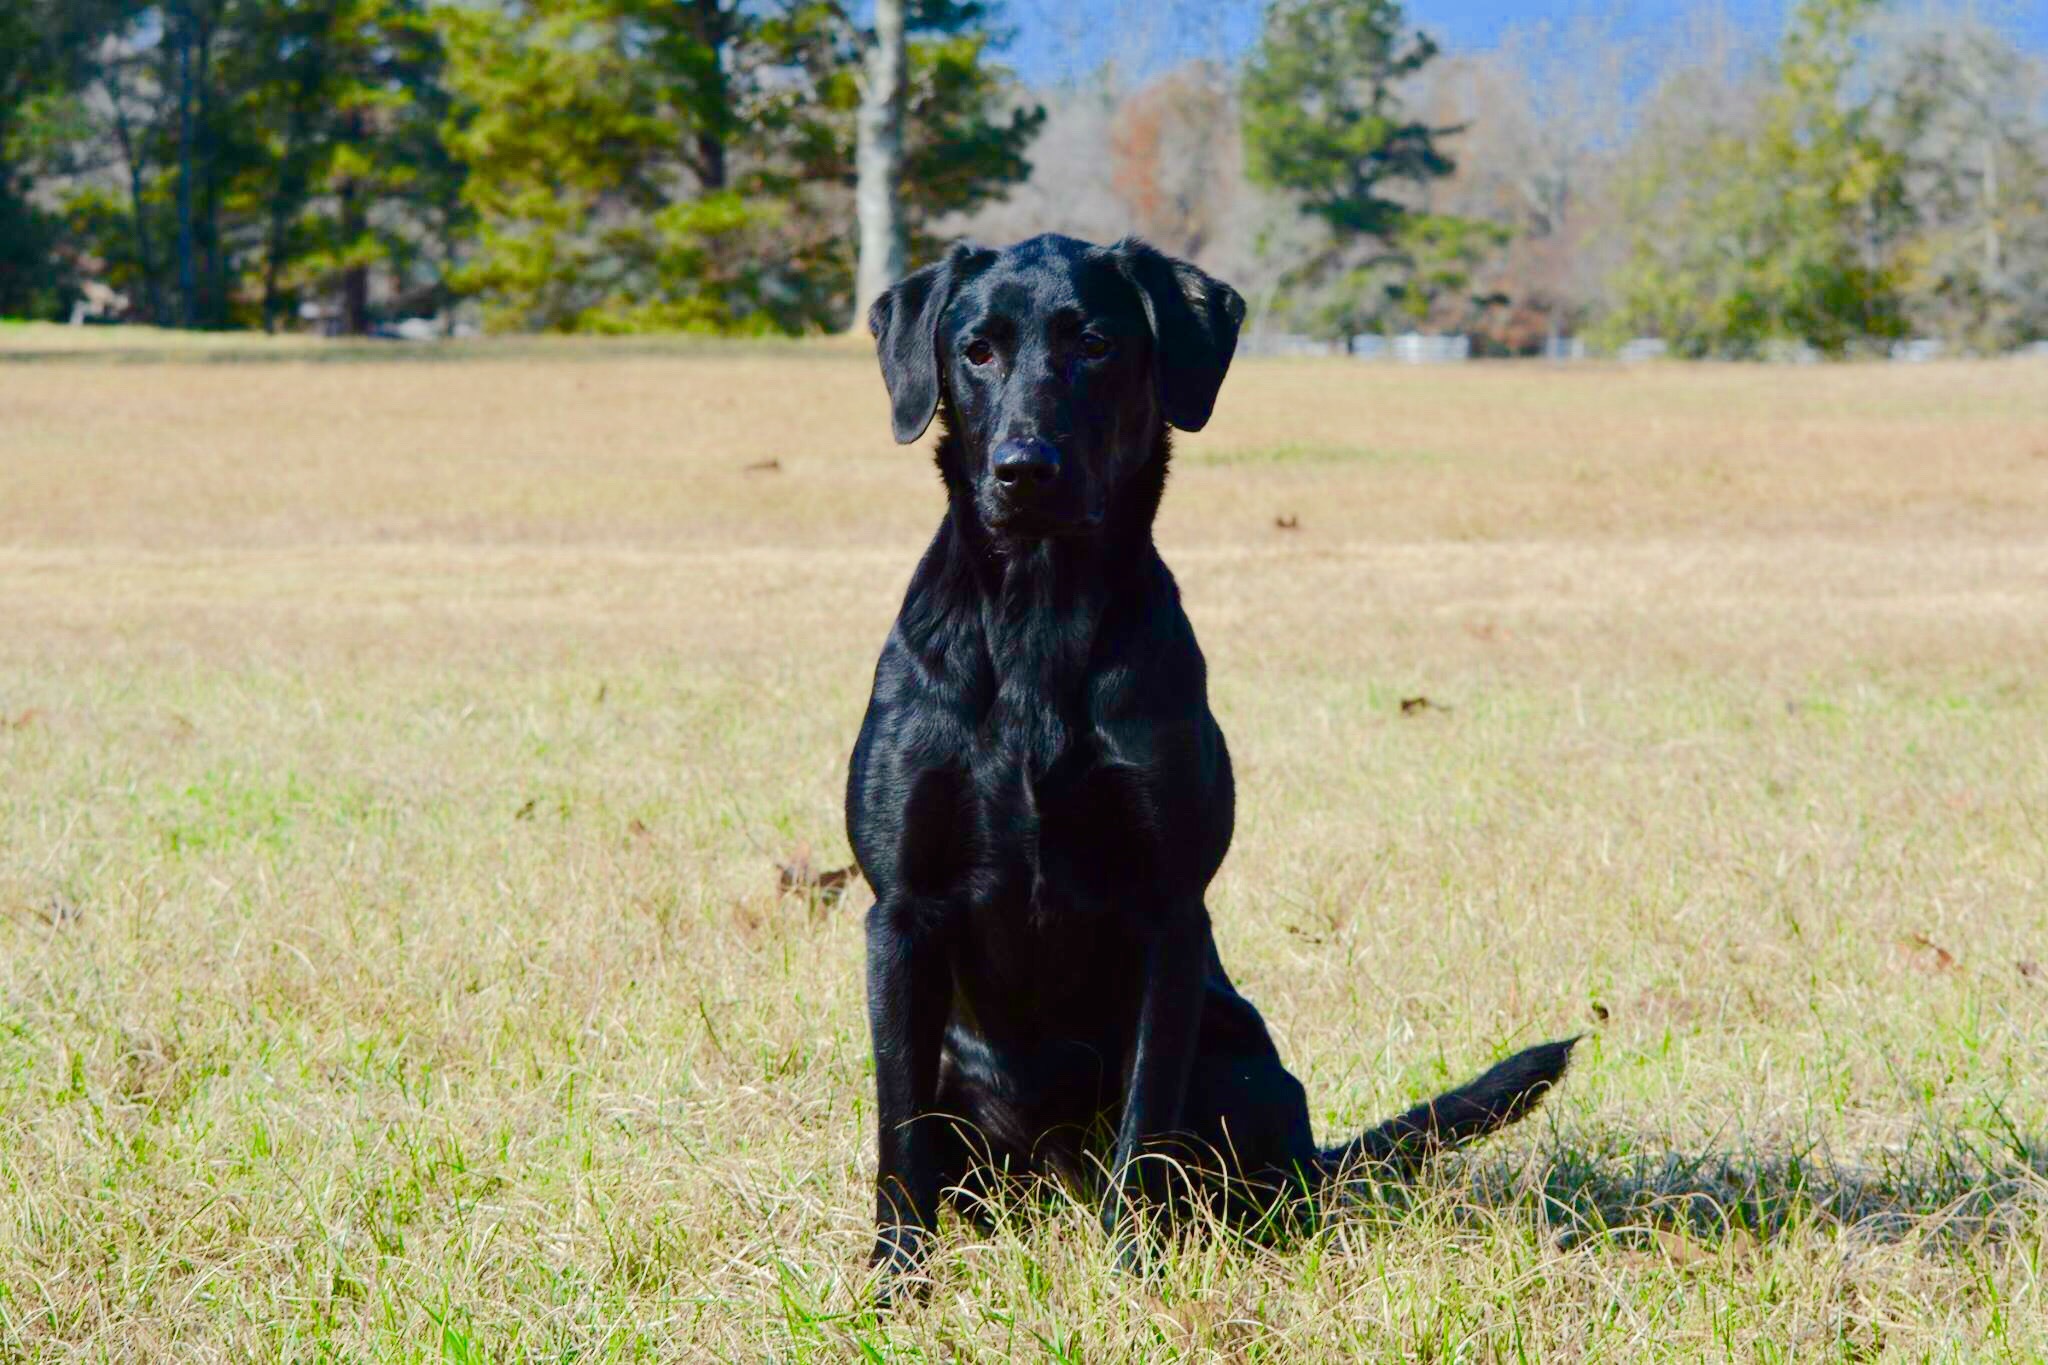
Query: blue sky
[{"x": 1061, "y": 38}]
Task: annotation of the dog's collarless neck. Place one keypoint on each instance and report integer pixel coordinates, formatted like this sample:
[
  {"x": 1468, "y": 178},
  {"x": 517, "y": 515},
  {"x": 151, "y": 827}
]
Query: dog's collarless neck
[{"x": 1039, "y": 608}]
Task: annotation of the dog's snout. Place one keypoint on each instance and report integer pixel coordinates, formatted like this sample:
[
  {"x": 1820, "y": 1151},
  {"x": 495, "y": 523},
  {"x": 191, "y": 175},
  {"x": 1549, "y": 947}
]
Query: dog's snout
[{"x": 1027, "y": 466}]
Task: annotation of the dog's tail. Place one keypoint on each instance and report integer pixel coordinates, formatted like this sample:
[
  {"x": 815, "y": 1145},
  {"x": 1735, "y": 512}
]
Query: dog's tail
[{"x": 1493, "y": 1100}]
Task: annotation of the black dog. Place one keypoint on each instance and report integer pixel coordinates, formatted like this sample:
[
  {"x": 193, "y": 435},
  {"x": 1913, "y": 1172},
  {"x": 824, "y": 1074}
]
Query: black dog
[{"x": 1039, "y": 795}]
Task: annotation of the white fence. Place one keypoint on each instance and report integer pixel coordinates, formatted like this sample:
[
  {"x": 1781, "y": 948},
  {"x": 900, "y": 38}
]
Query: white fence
[
  {"x": 1286, "y": 343},
  {"x": 1410, "y": 348},
  {"x": 1425, "y": 348},
  {"x": 1434, "y": 348}
]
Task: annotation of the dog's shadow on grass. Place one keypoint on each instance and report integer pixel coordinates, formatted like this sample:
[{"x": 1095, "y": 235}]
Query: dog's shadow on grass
[
  {"x": 1948, "y": 1185},
  {"x": 1942, "y": 1188}
]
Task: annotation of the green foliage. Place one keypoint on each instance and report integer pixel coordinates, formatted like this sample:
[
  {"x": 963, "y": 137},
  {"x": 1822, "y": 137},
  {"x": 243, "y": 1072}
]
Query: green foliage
[
  {"x": 344, "y": 97},
  {"x": 1426, "y": 279},
  {"x": 577, "y": 165},
  {"x": 964, "y": 136},
  {"x": 1445, "y": 255},
  {"x": 304, "y": 151},
  {"x": 1325, "y": 123},
  {"x": 629, "y": 165},
  {"x": 580, "y": 151},
  {"x": 1788, "y": 231},
  {"x": 43, "y": 49},
  {"x": 637, "y": 165},
  {"x": 1323, "y": 119}
]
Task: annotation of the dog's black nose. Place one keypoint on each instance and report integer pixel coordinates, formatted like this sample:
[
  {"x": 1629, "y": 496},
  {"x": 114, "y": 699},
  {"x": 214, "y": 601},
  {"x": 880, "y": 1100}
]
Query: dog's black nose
[{"x": 1028, "y": 466}]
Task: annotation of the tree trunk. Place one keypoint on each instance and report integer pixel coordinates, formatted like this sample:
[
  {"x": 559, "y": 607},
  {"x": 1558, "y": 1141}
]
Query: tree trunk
[
  {"x": 355, "y": 279},
  {"x": 211, "y": 298},
  {"x": 711, "y": 161},
  {"x": 288, "y": 181},
  {"x": 1994, "y": 256},
  {"x": 712, "y": 30},
  {"x": 355, "y": 301},
  {"x": 188, "y": 271},
  {"x": 878, "y": 162},
  {"x": 145, "y": 256}
]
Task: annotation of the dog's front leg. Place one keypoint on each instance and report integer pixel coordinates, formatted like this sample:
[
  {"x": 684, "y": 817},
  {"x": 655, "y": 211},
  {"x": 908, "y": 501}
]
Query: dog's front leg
[
  {"x": 909, "y": 989},
  {"x": 1162, "y": 1054}
]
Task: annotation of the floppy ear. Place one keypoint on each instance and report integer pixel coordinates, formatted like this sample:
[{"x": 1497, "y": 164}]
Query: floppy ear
[
  {"x": 905, "y": 321},
  {"x": 1194, "y": 330}
]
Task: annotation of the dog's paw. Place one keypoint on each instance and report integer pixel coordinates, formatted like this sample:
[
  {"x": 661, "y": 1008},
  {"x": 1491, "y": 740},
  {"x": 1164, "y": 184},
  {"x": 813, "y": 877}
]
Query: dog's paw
[
  {"x": 1133, "y": 1245},
  {"x": 897, "y": 1266}
]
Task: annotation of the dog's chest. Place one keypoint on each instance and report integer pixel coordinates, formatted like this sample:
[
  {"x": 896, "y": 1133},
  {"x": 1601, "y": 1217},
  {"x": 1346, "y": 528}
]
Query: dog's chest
[{"x": 1057, "y": 826}]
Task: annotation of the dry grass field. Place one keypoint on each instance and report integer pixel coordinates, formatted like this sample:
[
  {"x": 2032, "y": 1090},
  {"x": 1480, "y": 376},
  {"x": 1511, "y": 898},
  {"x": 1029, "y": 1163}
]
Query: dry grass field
[{"x": 395, "y": 757}]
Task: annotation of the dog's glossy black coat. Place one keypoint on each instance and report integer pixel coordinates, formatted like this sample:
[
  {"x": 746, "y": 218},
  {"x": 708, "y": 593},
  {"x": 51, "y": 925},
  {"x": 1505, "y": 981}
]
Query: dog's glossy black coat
[{"x": 1040, "y": 795}]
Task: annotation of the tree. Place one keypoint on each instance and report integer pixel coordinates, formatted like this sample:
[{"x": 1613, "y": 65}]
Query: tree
[
  {"x": 879, "y": 161},
  {"x": 1323, "y": 117},
  {"x": 120, "y": 233},
  {"x": 595, "y": 134},
  {"x": 1445, "y": 257},
  {"x": 576, "y": 164},
  {"x": 1177, "y": 160},
  {"x": 45, "y": 47},
  {"x": 1963, "y": 106},
  {"x": 594, "y": 214},
  {"x": 966, "y": 128},
  {"x": 1545, "y": 114},
  {"x": 240, "y": 157},
  {"x": 1785, "y": 230},
  {"x": 1325, "y": 121},
  {"x": 162, "y": 118},
  {"x": 344, "y": 100}
]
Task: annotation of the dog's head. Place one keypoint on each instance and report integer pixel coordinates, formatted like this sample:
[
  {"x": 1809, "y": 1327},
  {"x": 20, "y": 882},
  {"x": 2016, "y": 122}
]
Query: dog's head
[{"x": 1056, "y": 363}]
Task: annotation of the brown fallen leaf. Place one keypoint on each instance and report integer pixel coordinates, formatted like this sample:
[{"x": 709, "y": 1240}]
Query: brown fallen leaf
[
  {"x": 763, "y": 467},
  {"x": 837, "y": 878},
  {"x": 798, "y": 874},
  {"x": 1927, "y": 954},
  {"x": 1287, "y": 523},
  {"x": 1415, "y": 706},
  {"x": 1680, "y": 1249},
  {"x": 2029, "y": 968}
]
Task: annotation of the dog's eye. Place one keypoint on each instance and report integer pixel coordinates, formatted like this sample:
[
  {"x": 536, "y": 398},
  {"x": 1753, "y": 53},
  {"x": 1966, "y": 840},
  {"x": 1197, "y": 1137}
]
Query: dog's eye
[
  {"x": 1093, "y": 346},
  {"x": 979, "y": 352}
]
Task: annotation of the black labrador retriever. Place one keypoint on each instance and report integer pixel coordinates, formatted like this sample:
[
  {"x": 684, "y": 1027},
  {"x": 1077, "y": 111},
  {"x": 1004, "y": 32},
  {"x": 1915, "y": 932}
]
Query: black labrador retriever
[{"x": 1039, "y": 795}]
